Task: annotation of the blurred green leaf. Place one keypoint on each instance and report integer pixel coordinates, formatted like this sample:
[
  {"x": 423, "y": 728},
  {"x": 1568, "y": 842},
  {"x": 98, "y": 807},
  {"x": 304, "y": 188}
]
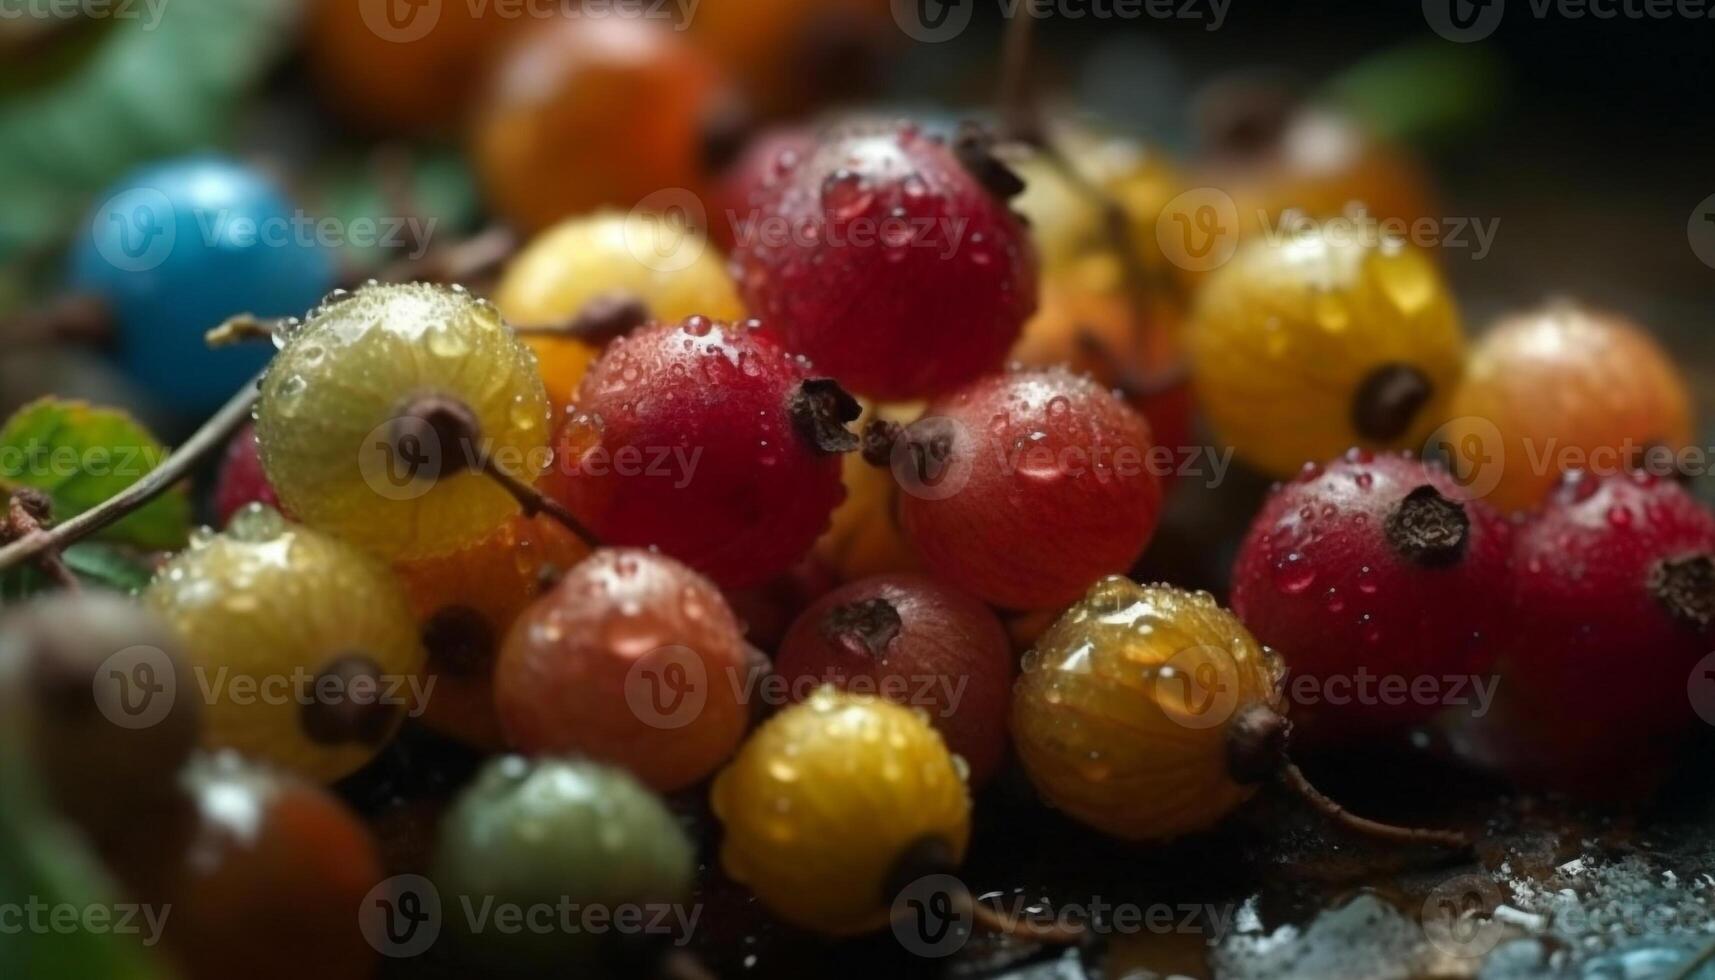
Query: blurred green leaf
[
  {"x": 1421, "y": 92},
  {"x": 81, "y": 455},
  {"x": 98, "y": 564},
  {"x": 442, "y": 191},
  {"x": 161, "y": 82}
]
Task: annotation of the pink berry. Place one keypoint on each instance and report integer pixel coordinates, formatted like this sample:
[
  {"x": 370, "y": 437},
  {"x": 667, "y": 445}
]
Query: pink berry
[
  {"x": 709, "y": 442},
  {"x": 910, "y": 640},
  {"x": 1616, "y": 595},
  {"x": 1375, "y": 574},
  {"x": 892, "y": 261},
  {"x": 242, "y": 481}
]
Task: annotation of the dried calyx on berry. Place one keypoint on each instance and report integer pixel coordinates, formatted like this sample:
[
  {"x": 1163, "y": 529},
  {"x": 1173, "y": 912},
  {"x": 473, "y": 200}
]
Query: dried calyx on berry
[
  {"x": 821, "y": 410},
  {"x": 864, "y": 627},
  {"x": 974, "y": 146},
  {"x": 1686, "y": 586},
  {"x": 1428, "y": 528}
]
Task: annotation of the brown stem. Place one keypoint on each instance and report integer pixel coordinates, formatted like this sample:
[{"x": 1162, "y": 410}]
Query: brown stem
[
  {"x": 245, "y": 328},
  {"x": 536, "y": 502},
  {"x": 471, "y": 259},
  {"x": 1293, "y": 778},
  {"x": 1048, "y": 933},
  {"x": 1019, "y": 114},
  {"x": 604, "y": 318},
  {"x": 28, "y": 512},
  {"x": 212, "y": 436}
]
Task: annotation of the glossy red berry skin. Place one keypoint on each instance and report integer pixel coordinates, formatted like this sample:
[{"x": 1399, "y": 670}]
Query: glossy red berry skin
[
  {"x": 708, "y": 441},
  {"x": 1376, "y": 565},
  {"x": 1615, "y": 591},
  {"x": 886, "y": 262},
  {"x": 768, "y": 158},
  {"x": 1026, "y": 487},
  {"x": 242, "y": 481},
  {"x": 914, "y": 642}
]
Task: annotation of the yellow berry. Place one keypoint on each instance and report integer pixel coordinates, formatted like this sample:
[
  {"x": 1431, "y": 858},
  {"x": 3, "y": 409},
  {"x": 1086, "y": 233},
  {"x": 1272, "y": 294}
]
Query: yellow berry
[
  {"x": 673, "y": 271},
  {"x": 1562, "y": 388},
  {"x": 827, "y": 797},
  {"x": 329, "y": 422},
  {"x": 302, "y": 647},
  {"x": 1307, "y": 345},
  {"x": 863, "y": 536},
  {"x": 1124, "y": 712}
]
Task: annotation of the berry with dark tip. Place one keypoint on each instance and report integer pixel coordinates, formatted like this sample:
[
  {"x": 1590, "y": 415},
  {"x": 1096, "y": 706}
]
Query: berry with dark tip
[
  {"x": 708, "y": 441},
  {"x": 1376, "y": 564},
  {"x": 1615, "y": 592},
  {"x": 912, "y": 641},
  {"x": 1025, "y": 487}
]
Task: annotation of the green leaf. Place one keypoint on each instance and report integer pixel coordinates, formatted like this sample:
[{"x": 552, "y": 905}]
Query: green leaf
[
  {"x": 96, "y": 564},
  {"x": 1422, "y": 93},
  {"x": 81, "y": 455}
]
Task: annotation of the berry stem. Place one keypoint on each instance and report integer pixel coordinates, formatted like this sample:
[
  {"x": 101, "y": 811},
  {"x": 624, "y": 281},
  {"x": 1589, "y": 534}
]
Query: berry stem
[
  {"x": 932, "y": 856},
  {"x": 534, "y": 502},
  {"x": 244, "y": 328},
  {"x": 605, "y": 318},
  {"x": 465, "y": 261},
  {"x": 213, "y": 435},
  {"x": 1293, "y": 779},
  {"x": 1021, "y": 120},
  {"x": 28, "y": 513}
]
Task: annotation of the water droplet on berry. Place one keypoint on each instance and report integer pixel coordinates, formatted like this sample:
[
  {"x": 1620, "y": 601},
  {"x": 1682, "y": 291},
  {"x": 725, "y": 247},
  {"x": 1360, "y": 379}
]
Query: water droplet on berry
[
  {"x": 1293, "y": 574},
  {"x": 846, "y": 195}
]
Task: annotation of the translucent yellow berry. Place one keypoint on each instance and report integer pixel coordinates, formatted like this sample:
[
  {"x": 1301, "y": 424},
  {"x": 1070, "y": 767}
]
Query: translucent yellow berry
[
  {"x": 1309, "y": 344},
  {"x": 863, "y": 536},
  {"x": 825, "y": 799},
  {"x": 1124, "y": 713},
  {"x": 672, "y": 270},
  {"x": 335, "y": 439},
  {"x": 303, "y": 648}
]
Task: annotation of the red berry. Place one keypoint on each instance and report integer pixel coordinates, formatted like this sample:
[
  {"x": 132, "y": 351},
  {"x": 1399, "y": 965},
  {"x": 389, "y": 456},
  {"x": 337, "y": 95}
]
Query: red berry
[
  {"x": 1376, "y": 566},
  {"x": 764, "y": 161},
  {"x": 907, "y": 639},
  {"x": 1027, "y": 487},
  {"x": 242, "y": 481},
  {"x": 708, "y": 441},
  {"x": 1616, "y": 595},
  {"x": 891, "y": 261},
  {"x": 632, "y": 659}
]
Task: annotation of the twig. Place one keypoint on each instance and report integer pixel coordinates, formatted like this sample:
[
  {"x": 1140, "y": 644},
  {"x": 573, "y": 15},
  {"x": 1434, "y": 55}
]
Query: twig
[
  {"x": 1293, "y": 778},
  {"x": 534, "y": 501},
  {"x": 212, "y": 436},
  {"x": 1689, "y": 969},
  {"x": 27, "y": 513},
  {"x": 244, "y": 328}
]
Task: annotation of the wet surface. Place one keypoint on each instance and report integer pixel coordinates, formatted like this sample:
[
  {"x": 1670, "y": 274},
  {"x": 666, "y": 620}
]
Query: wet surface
[{"x": 1555, "y": 891}]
